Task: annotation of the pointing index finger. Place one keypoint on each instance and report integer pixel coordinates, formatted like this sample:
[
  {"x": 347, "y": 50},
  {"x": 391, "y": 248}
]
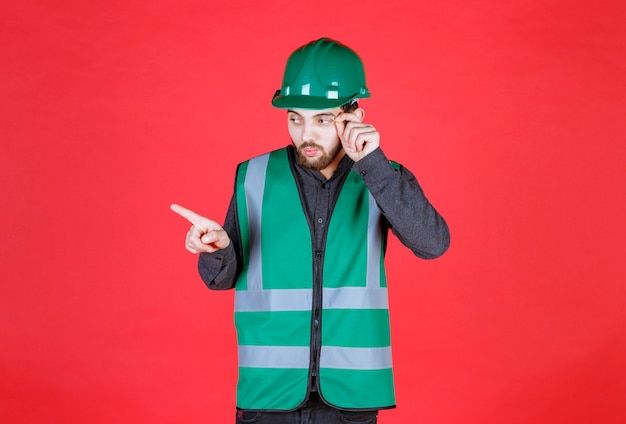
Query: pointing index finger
[{"x": 188, "y": 214}]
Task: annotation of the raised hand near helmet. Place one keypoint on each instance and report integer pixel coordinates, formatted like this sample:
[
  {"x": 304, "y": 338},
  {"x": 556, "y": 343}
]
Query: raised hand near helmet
[
  {"x": 357, "y": 138},
  {"x": 205, "y": 235}
]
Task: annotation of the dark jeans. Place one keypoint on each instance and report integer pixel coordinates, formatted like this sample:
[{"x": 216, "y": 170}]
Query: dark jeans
[{"x": 314, "y": 411}]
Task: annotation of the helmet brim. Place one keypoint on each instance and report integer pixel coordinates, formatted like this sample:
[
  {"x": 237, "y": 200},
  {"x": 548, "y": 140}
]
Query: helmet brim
[{"x": 309, "y": 102}]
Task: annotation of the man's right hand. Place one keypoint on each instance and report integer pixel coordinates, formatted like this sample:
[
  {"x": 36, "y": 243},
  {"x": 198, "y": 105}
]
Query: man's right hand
[{"x": 205, "y": 235}]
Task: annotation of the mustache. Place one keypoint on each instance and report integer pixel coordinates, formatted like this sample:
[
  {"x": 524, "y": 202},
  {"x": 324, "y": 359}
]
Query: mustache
[{"x": 309, "y": 144}]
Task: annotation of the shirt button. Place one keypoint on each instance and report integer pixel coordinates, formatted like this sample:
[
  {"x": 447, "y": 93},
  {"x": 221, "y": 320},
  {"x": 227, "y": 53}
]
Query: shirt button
[
  {"x": 362, "y": 173},
  {"x": 320, "y": 220}
]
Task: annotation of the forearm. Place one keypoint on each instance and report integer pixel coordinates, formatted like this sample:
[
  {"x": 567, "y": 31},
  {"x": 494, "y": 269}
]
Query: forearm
[
  {"x": 400, "y": 198},
  {"x": 220, "y": 270}
]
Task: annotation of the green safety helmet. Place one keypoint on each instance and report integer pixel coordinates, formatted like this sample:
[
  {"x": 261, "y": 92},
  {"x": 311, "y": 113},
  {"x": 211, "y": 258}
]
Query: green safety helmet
[{"x": 322, "y": 74}]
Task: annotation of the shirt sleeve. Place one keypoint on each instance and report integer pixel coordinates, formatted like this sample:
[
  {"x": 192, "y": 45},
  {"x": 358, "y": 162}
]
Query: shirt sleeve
[
  {"x": 219, "y": 270},
  {"x": 401, "y": 200}
]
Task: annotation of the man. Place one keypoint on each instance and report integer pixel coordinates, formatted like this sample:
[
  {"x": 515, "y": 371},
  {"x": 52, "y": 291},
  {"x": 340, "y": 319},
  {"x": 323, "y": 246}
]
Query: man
[{"x": 303, "y": 245}]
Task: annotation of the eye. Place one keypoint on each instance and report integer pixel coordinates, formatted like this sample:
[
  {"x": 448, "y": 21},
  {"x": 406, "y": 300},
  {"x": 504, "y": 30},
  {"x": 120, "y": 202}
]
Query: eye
[
  {"x": 294, "y": 120},
  {"x": 324, "y": 120}
]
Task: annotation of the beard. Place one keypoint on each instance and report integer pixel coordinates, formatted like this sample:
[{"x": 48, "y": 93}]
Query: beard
[{"x": 318, "y": 163}]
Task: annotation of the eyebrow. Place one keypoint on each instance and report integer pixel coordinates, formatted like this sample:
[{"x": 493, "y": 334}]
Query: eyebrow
[{"x": 314, "y": 116}]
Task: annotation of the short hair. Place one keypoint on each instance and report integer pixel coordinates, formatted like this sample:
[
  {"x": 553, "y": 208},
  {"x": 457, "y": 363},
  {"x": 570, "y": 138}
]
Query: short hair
[{"x": 350, "y": 107}]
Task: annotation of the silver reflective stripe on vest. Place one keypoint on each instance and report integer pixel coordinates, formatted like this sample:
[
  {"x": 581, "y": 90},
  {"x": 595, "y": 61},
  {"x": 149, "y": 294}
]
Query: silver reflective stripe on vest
[
  {"x": 352, "y": 358},
  {"x": 254, "y": 188},
  {"x": 374, "y": 239},
  {"x": 274, "y": 300},
  {"x": 355, "y": 298},
  {"x": 274, "y": 356},
  {"x": 301, "y": 299},
  {"x": 355, "y": 358}
]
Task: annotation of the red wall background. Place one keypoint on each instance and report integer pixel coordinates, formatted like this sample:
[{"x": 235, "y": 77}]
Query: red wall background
[{"x": 511, "y": 114}]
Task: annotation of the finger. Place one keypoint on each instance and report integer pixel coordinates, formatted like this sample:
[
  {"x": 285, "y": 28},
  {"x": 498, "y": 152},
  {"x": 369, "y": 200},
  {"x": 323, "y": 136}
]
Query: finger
[
  {"x": 351, "y": 133},
  {"x": 362, "y": 136},
  {"x": 188, "y": 214},
  {"x": 195, "y": 231},
  {"x": 345, "y": 116},
  {"x": 341, "y": 123},
  {"x": 191, "y": 249},
  {"x": 209, "y": 238},
  {"x": 218, "y": 238},
  {"x": 194, "y": 243},
  {"x": 345, "y": 141},
  {"x": 340, "y": 126}
]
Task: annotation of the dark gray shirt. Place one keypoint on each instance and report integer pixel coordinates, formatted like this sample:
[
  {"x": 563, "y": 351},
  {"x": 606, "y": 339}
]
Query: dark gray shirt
[{"x": 408, "y": 213}]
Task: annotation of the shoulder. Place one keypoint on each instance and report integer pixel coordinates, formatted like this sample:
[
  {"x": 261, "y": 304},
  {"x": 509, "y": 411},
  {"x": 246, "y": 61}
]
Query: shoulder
[
  {"x": 259, "y": 165},
  {"x": 265, "y": 156}
]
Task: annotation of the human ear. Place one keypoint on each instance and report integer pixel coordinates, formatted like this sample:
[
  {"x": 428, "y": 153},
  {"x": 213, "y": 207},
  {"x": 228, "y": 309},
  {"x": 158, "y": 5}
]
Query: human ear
[{"x": 360, "y": 113}]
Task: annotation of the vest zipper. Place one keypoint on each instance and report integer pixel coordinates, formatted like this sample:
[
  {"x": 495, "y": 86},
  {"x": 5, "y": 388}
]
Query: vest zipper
[{"x": 316, "y": 338}]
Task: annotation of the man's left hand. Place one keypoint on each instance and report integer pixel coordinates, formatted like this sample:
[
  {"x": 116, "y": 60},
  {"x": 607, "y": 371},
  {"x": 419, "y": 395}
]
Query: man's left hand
[{"x": 357, "y": 138}]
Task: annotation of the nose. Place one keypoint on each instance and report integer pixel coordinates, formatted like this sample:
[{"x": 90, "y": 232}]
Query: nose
[{"x": 308, "y": 133}]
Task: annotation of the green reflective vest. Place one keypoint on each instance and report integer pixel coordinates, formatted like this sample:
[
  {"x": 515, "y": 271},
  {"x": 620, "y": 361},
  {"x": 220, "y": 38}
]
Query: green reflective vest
[{"x": 274, "y": 295}]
